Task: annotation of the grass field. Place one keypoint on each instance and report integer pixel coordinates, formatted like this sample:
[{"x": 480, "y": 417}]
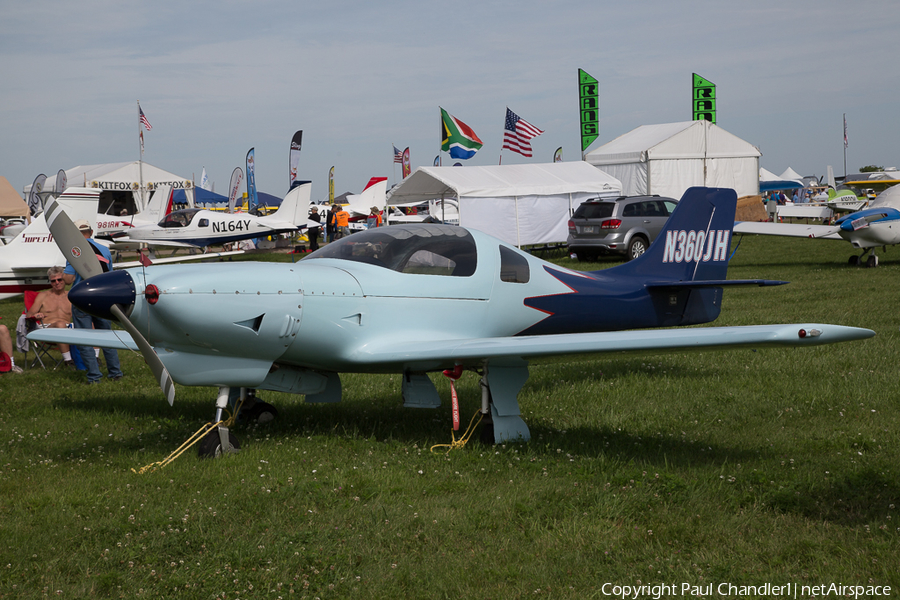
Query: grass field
[{"x": 741, "y": 467}]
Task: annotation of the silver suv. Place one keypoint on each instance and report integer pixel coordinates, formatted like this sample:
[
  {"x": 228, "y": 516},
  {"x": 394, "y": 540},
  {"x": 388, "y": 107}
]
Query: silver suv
[{"x": 625, "y": 225}]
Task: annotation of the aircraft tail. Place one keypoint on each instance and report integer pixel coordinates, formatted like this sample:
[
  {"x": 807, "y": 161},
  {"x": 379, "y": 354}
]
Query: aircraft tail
[
  {"x": 294, "y": 208},
  {"x": 695, "y": 243},
  {"x": 35, "y": 247},
  {"x": 685, "y": 268},
  {"x": 159, "y": 205}
]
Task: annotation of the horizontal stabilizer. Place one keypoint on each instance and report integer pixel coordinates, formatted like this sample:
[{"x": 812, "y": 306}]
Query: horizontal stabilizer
[{"x": 709, "y": 283}]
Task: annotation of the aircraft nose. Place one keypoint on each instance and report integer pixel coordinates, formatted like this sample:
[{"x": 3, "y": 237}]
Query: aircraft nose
[{"x": 96, "y": 295}]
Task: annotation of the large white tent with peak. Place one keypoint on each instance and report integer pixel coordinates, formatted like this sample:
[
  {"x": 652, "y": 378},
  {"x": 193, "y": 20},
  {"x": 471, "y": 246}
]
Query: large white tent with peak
[
  {"x": 137, "y": 178},
  {"x": 669, "y": 158},
  {"x": 520, "y": 204}
]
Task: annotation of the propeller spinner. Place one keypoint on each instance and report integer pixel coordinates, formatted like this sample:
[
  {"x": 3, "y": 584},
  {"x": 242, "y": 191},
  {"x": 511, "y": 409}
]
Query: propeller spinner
[{"x": 102, "y": 294}]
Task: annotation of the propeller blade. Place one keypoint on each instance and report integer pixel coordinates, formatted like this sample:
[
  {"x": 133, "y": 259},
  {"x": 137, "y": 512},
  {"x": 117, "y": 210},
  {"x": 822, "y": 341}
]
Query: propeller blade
[
  {"x": 159, "y": 369},
  {"x": 71, "y": 242}
]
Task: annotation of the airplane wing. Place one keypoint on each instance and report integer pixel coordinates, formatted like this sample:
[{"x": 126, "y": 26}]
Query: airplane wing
[
  {"x": 178, "y": 259},
  {"x": 788, "y": 229},
  {"x": 641, "y": 341},
  {"x": 168, "y": 243},
  {"x": 98, "y": 338},
  {"x": 538, "y": 346}
]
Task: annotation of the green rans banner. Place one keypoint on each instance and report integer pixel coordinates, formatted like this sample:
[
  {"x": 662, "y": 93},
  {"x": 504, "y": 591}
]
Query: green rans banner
[
  {"x": 704, "y": 108},
  {"x": 589, "y": 103}
]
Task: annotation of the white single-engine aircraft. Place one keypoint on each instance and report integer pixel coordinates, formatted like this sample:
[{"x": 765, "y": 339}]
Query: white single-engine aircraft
[
  {"x": 198, "y": 228},
  {"x": 874, "y": 226},
  {"x": 295, "y": 327}
]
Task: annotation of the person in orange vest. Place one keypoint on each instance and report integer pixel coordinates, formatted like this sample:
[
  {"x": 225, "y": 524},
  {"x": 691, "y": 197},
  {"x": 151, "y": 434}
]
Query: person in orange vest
[
  {"x": 341, "y": 222},
  {"x": 374, "y": 218}
]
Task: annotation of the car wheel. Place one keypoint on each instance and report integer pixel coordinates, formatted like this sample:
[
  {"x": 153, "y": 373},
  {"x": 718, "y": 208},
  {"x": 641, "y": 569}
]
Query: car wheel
[{"x": 636, "y": 247}]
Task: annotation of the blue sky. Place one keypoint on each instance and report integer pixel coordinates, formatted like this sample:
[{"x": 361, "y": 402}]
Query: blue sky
[{"x": 217, "y": 78}]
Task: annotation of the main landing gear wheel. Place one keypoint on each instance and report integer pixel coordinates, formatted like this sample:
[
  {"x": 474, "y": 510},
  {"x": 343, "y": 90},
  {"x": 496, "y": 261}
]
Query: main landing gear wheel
[
  {"x": 260, "y": 412},
  {"x": 854, "y": 261},
  {"x": 872, "y": 261},
  {"x": 211, "y": 444},
  {"x": 636, "y": 247}
]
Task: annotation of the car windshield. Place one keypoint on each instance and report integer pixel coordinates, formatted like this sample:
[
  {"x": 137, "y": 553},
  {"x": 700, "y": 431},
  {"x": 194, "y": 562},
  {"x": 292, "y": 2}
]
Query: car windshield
[
  {"x": 179, "y": 218},
  {"x": 595, "y": 210},
  {"x": 414, "y": 248}
]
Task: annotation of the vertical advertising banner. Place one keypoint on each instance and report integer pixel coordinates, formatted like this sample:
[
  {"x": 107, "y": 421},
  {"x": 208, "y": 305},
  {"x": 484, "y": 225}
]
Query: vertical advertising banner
[
  {"x": 331, "y": 186},
  {"x": 294, "y": 160},
  {"x": 704, "y": 92},
  {"x": 557, "y": 156},
  {"x": 589, "y": 105},
  {"x": 406, "y": 168},
  {"x": 236, "y": 176},
  {"x": 62, "y": 182},
  {"x": 252, "y": 199},
  {"x": 35, "y": 204}
]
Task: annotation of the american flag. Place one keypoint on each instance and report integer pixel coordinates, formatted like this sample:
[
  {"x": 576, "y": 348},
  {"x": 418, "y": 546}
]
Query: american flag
[
  {"x": 144, "y": 120},
  {"x": 398, "y": 156},
  {"x": 517, "y": 132}
]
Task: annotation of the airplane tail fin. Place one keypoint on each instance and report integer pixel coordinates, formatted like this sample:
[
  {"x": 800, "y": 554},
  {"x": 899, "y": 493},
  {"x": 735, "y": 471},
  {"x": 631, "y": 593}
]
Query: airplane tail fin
[
  {"x": 685, "y": 268},
  {"x": 295, "y": 206},
  {"x": 34, "y": 246},
  {"x": 159, "y": 205},
  {"x": 695, "y": 243}
]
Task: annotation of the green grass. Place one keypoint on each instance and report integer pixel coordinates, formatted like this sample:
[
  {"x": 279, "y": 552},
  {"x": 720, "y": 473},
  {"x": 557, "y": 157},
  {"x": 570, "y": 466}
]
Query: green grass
[{"x": 743, "y": 467}]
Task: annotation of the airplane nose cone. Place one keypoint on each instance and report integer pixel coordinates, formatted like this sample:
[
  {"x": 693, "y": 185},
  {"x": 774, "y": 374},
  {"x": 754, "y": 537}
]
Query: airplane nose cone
[{"x": 96, "y": 295}]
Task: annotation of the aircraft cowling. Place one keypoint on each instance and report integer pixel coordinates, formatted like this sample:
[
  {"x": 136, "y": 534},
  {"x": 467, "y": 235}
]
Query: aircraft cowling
[
  {"x": 202, "y": 310},
  {"x": 98, "y": 294}
]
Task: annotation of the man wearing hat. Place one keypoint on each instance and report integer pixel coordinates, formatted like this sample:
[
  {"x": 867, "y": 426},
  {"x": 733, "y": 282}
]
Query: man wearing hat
[
  {"x": 82, "y": 320},
  {"x": 374, "y": 218}
]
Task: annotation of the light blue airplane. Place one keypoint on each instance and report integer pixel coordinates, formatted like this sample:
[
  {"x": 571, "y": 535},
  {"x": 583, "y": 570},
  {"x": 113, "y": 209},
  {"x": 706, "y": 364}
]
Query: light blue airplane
[{"x": 295, "y": 327}]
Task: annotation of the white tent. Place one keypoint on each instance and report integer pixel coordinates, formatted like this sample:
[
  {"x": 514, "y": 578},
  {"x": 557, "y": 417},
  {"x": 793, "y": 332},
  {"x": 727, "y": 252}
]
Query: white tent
[
  {"x": 120, "y": 177},
  {"x": 11, "y": 203},
  {"x": 520, "y": 204},
  {"x": 669, "y": 158},
  {"x": 791, "y": 175}
]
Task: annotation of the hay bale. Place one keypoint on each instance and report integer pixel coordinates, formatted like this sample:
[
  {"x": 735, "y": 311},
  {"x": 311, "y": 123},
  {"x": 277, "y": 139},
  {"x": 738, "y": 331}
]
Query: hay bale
[{"x": 751, "y": 208}]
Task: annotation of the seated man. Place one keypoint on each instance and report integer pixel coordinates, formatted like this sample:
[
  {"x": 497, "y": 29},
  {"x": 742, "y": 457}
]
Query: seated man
[
  {"x": 53, "y": 309},
  {"x": 6, "y": 349}
]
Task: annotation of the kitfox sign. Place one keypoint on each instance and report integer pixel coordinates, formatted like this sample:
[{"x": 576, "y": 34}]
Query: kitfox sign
[{"x": 124, "y": 186}]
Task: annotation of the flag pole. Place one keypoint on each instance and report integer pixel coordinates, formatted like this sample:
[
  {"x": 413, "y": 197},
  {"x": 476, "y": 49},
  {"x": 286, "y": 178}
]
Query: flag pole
[
  {"x": 500, "y": 162},
  {"x": 141, "y": 158},
  {"x": 845, "y": 145}
]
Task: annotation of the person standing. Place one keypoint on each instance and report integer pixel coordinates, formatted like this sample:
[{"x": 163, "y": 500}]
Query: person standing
[
  {"x": 82, "y": 320},
  {"x": 313, "y": 232},
  {"x": 374, "y": 218},
  {"x": 329, "y": 223},
  {"x": 341, "y": 222}
]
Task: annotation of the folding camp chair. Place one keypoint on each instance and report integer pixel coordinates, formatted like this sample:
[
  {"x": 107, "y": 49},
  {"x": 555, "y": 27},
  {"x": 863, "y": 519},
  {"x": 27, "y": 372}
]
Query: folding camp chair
[{"x": 41, "y": 350}]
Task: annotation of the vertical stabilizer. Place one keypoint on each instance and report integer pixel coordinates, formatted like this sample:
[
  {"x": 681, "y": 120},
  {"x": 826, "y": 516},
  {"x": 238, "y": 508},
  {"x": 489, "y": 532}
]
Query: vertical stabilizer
[
  {"x": 294, "y": 208},
  {"x": 695, "y": 243}
]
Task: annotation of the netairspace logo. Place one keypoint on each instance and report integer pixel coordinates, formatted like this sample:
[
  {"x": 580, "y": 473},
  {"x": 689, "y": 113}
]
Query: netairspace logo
[{"x": 766, "y": 590}]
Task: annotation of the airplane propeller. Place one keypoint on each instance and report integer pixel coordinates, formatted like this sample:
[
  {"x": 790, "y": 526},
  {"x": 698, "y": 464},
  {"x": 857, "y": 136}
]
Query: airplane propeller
[{"x": 80, "y": 255}]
